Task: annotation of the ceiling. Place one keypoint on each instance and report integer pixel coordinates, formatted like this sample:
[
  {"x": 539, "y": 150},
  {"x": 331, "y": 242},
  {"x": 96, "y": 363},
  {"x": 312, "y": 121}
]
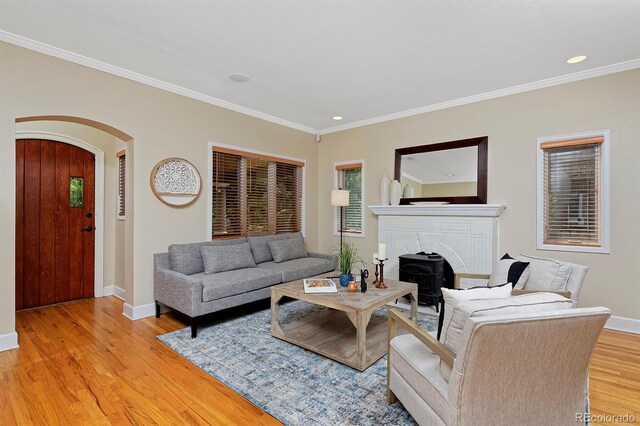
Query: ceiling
[{"x": 365, "y": 60}]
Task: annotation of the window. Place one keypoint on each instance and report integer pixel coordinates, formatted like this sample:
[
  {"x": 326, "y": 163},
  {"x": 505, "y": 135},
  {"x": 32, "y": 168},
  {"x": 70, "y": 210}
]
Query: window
[
  {"x": 573, "y": 193},
  {"x": 76, "y": 191},
  {"x": 349, "y": 176},
  {"x": 255, "y": 194},
  {"x": 122, "y": 163}
]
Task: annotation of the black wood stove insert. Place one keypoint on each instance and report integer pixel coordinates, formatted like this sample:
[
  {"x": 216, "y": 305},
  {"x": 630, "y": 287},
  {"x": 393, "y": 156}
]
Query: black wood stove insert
[{"x": 430, "y": 271}]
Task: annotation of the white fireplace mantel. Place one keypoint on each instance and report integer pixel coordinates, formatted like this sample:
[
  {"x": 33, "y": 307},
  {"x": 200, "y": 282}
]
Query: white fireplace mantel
[{"x": 477, "y": 210}]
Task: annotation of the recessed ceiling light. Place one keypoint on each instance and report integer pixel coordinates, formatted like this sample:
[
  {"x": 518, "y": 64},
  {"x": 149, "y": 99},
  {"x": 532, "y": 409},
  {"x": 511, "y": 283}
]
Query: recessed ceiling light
[
  {"x": 576, "y": 59},
  {"x": 239, "y": 78},
  {"x": 337, "y": 117},
  {"x": 451, "y": 174},
  {"x": 411, "y": 158}
]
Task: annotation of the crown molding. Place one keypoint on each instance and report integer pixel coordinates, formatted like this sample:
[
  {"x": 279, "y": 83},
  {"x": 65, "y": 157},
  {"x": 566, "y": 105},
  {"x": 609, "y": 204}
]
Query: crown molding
[
  {"x": 141, "y": 78},
  {"x": 540, "y": 84}
]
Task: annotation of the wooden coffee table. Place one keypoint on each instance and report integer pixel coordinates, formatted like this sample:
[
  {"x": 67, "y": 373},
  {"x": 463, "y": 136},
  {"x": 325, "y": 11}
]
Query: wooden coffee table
[{"x": 345, "y": 332}]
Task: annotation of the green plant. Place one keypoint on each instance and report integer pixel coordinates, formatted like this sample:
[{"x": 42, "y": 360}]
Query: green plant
[{"x": 347, "y": 257}]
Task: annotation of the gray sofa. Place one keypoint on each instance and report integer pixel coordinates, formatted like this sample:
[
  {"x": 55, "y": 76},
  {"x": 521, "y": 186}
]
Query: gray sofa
[{"x": 201, "y": 278}]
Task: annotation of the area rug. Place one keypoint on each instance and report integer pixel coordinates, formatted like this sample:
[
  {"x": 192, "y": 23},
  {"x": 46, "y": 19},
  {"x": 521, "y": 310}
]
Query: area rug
[{"x": 296, "y": 386}]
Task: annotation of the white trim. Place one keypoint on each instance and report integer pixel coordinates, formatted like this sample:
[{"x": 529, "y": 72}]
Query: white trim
[
  {"x": 98, "y": 280},
  {"x": 138, "y": 312},
  {"x": 413, "y": 178},
  {"x": 628, "y": 325},
  {"x": 335, "y": 209},
  {"x": 508, "y": 91},
  {"x": 604, "y": 189},
  {"x": 149, "y": 81},
  {"x": 141, "y": 78},
  {"x": 9, "y": 341},
  {"x": 114, "y": 290},
  {"x": 479, "y": 210},
  {"x": 210, "y": 146}
]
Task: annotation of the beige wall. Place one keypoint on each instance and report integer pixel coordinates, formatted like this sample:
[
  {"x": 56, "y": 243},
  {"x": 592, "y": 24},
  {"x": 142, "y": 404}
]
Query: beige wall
[
  {"x": 457, "y": 189},
  {"x": 512, "y": 124},
  {"x": 162, "y": 125}
]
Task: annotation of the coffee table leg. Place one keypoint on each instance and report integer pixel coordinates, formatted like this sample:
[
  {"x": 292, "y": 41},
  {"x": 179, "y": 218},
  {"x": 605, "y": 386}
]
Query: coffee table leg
[
  {"x": 276, "y": 330},
  {"x": 414, "y": 305},
  {"x": 361, "y": 329}
]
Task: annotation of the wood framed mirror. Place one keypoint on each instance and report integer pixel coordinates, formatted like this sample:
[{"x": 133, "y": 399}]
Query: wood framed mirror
[{"x": 453, "y": 172}]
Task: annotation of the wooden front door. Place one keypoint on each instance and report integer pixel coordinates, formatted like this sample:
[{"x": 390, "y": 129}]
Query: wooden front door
[{"x": 55, "y": 221}]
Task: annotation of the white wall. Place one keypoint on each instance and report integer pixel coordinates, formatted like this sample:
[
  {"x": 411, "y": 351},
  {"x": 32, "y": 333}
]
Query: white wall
[{"x": 512, "y": 124}]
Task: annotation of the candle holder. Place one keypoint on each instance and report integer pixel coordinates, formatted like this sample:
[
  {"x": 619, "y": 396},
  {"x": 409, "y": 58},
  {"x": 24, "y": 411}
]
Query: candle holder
[
  {"x": 381, "y": 283},
  {"x": 376, "y": 274}
]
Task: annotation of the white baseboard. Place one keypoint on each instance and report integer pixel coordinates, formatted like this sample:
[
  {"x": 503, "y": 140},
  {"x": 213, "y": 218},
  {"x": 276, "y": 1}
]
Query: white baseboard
[
  {"x": 139, "y": 312},
  {"x": 628, "y": 325},
  {"x": 8, "y": 341},
  {"x": 114, "y": 290}
]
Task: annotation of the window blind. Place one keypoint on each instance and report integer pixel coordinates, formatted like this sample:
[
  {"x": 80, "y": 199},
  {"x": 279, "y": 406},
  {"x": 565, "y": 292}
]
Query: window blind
[
  {"x": 350, "y": 178},
  {"x": 572, "y": 199},
  {"x": 122, "y": 162},
  {"x": 255, "y": 194}
]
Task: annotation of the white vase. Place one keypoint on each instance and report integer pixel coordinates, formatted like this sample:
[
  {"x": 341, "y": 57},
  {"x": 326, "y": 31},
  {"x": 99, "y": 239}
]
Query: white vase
[
  {"x": 395, "y": 191},
  {"x": 407, "y": 192},
  {"x": 384, "y": 190}
]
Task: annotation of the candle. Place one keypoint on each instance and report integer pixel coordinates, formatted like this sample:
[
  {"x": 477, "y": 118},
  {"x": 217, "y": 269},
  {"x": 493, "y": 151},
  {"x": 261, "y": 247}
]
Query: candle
[
  {"x": 382, "y": 251},
  {"x": 375, "y": 259}
]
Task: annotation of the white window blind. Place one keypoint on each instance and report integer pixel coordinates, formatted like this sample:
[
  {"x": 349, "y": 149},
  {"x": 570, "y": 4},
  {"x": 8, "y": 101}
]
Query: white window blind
[
  {"x": 255, "y": 194},
  {"x": 572, "y": 199},
  {"x": 349, "y": 177},
  {"x": 122, "y": 163}
]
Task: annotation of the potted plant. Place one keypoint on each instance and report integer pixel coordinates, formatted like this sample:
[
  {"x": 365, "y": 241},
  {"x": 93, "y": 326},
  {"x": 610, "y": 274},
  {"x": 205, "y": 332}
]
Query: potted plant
[{"x": 347, "y": 258}]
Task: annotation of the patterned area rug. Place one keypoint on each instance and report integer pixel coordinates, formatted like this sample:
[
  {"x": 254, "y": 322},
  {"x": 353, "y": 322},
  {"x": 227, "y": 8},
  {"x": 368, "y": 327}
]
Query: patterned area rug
[{"x": 296, "y": 386}]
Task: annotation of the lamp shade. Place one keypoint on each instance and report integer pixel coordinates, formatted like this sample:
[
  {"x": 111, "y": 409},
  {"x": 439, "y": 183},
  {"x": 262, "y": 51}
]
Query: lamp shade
[{"x": 339, "y": 197}]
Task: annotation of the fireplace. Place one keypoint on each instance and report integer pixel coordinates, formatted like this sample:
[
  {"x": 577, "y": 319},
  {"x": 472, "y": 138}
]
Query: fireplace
[{"x": 430, "y": 271}]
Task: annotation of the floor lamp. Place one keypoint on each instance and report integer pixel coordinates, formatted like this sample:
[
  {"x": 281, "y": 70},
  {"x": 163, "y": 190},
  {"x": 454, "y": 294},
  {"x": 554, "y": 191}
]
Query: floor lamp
[{"x": 340, "y": 197}]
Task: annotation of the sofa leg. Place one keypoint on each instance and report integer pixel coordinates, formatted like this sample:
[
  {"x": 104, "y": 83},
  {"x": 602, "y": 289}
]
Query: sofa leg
[
  {"x": 194, "y": 327},
  {"x": 157, "y": 309}
]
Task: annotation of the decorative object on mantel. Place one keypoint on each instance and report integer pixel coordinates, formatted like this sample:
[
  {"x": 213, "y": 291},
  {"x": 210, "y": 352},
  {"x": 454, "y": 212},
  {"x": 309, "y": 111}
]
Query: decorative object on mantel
[
  {"x": 395, "y": 193},
  {"x": 384, "y": 190},
  {"x": 175, "y": 182},
  {"x": 407, "y": 192}
]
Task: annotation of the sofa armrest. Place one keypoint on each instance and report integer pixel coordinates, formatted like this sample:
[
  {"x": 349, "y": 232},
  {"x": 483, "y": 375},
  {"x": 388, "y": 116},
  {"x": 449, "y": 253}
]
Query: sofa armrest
[
  {"x": 330, "y": 257},
  {"x": 516, "y": 292},
  {"x": 178, "y": 291},
  {"x": 459, "y": 276}
]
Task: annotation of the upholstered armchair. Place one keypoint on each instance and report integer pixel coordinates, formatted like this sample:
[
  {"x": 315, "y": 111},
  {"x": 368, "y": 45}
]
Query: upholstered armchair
[
  {"x": 513, "y": 369},
  {"x": 541, "y": 272}
]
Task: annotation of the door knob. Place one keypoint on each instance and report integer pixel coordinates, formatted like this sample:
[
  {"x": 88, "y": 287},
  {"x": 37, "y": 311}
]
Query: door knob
[{"x": 88, "y": 228}]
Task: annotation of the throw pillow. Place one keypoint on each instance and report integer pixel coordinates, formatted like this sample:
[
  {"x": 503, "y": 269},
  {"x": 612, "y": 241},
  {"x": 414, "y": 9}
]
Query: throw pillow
[
  {"x": 509, "y": 270},
  {"x": 226, "y": 258},
  {"x": 289, "y": 249},
  {"x": 454, "y": 296},
  {"x": 546, "y": 274}
]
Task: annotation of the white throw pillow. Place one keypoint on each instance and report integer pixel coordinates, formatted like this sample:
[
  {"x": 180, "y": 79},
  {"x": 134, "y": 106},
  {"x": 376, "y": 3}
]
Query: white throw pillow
[{"x": 546, "y": 274}]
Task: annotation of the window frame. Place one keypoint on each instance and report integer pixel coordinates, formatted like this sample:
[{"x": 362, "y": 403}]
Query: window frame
[
  {"x": 336, "y": 231},
  {"x": 211, "y": 145},
  {"x": 605, "y": 194},
  {"x": 119, "y": 155}
]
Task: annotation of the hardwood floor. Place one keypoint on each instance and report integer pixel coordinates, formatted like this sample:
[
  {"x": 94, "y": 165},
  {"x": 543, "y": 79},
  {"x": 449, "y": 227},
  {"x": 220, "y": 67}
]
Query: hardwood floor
[{"x": 83, "y": 362}]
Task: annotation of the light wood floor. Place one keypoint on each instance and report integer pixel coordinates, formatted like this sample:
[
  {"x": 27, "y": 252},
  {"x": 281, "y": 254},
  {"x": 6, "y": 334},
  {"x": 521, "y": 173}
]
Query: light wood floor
[{"x": 83, "y": 362}]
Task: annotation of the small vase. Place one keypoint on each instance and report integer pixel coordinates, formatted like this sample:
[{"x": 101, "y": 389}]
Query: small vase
[
  {"x": 352, "y": 287},
  {"x": 407, "y": 192},
  {"x": 344, "y": 279},
  {"x": 394, "y": 193},
  {"x": 384, "y": 190}
]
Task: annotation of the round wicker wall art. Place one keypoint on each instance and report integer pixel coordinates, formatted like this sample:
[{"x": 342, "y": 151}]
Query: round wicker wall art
[{"x": 176, "y": 182}]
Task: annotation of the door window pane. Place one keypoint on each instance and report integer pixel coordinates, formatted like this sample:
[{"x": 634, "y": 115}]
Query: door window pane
[{"x": 76, "y": 188}]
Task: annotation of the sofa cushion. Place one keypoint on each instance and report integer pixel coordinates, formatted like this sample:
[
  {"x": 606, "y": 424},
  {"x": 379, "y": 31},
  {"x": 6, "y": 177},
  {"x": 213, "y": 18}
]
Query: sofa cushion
[
  {"x": 509, "y": 270},
  {"x": 526, "y": 303},
  {"x": 296, "y": 269},
  {"x": 546, "y": 274},
  {"x": 230, "y": 283},
  {"x": 289, "y": 249},
  {"x": 226, "y": 258},
  {"x": 186, "y": 258},
  {"x": 260, "y": 245}
]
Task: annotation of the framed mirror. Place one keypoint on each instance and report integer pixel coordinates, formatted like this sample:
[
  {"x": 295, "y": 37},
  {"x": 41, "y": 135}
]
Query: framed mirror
[
  {"x": 452, "y": 172},
  {"x": 175, "y": 182}
]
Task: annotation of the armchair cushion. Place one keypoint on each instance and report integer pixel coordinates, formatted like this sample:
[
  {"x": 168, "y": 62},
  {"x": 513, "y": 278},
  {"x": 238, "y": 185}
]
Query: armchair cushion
[
  {"x": 546, "y": 274},
  {"x": 509, "y": 270}
]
